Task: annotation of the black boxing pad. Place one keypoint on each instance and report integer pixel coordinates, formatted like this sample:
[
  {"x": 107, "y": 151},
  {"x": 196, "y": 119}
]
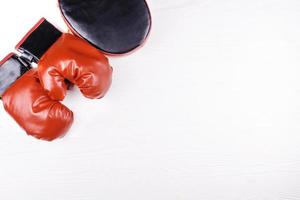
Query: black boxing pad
[{"x": 113, "y": 26}]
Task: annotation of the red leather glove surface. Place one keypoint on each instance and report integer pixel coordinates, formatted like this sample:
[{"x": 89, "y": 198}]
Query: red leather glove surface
[
  {"x": 31, "y": 107},
  {"x": 73, "y": 59}
]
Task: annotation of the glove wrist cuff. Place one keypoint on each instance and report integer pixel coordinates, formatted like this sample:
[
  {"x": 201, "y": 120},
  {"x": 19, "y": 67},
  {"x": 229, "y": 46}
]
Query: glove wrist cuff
[
  {"x": 38, "y": 40},
  {"x": 12, "y": 67}
]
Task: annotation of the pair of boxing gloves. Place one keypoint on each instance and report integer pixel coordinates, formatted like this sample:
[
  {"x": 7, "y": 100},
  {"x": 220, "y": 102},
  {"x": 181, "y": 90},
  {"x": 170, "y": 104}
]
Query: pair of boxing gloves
[{"x": 31, "y": 96}]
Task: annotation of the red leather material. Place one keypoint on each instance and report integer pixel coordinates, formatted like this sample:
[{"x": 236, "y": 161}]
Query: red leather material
[
  {"x": 73, "y": 59},
  {"x": 30, "y": 106}
]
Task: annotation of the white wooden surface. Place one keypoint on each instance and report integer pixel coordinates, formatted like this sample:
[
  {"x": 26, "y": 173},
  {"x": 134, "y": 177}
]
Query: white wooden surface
[{"x": 209, "y": 109}]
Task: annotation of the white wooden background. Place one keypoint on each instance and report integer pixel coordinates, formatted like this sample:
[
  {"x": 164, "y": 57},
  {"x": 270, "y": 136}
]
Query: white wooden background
[{"x": 209, "y": 109}]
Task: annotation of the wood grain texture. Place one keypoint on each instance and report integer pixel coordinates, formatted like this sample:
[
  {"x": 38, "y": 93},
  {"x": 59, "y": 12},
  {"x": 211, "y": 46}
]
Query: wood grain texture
[{"x": 209, "y": 109}]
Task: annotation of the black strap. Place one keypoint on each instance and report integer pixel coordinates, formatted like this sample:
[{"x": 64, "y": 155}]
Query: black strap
[
  {"x": 12, "y": 68},
  {"x": 38, "y": 41}
]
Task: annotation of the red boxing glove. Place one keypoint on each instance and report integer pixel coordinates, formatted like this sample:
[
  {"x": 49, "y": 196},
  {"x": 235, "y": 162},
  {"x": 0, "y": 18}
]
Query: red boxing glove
[
  {"x": 29, "y": 105},
  {"x": 63, "y": 56}
]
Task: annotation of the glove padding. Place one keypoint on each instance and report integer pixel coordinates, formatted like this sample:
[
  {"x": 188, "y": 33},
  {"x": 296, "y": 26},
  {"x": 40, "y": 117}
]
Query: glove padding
[
  {"x": 30, "y": 106},
  {"x": 73, "y": 59}
]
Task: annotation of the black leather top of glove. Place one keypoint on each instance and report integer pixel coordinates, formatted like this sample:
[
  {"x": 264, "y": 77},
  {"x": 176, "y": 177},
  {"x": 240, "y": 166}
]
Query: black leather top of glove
[{"x": 113, "y": 26}]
